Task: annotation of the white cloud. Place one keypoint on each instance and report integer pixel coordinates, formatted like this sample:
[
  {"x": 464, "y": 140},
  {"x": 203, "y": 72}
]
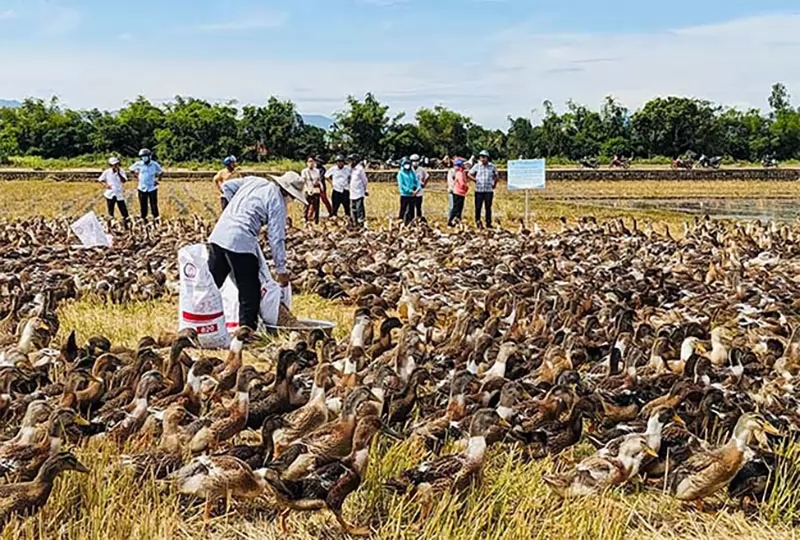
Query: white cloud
[
  {"x": 732, "y": 63},
  {"x": 7, "y": 15},
  {"x": 255, "y": 21}
]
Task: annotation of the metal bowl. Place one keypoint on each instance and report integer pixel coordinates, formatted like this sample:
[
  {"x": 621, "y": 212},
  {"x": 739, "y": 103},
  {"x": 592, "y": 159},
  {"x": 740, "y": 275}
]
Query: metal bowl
[{"x": 306, "y": 325}]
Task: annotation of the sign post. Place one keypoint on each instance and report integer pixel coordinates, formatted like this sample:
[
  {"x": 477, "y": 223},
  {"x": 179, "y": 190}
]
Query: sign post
[{"x": 526, "y": 174}]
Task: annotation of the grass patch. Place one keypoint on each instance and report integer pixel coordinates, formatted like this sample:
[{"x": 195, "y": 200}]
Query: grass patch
[{"x": 572, "y": 200}]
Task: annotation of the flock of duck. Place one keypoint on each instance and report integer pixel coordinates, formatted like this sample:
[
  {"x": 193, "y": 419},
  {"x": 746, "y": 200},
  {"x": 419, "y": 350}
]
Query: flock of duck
[{"x": 671, "y": 357}]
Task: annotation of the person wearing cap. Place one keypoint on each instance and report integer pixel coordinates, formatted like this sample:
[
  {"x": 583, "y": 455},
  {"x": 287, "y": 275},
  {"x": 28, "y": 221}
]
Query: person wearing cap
[
  {"x": 233, "y": 245},
  {"x": 422, "y": 176},
  {"x": 408, "y": 186},
  {"x": 460, "y": 186},
  {"x": 323, "y": 194},
  {"x": 312, "y": 187},
  {"x": 340, "y": 178},
  {"x": 148, "y": 172},
  {"x": 230, "y": 172},
  {"x": 113, "y": 178},
  {"x": 485, "y": 176},
  {"x": 358, "y": 191}
]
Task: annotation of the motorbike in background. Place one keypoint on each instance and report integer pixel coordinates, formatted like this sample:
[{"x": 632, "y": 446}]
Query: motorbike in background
[
  {"x": 683, "y": 163},
  {"x": 589, "y": 163},
  {"x": 769, "y": 162},
  {"x": 709, "y": 162},
  {"x": 620, "y": 162}
]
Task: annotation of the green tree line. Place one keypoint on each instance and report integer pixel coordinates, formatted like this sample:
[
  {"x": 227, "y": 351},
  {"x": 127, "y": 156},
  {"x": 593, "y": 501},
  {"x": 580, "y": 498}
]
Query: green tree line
[{"x": 189, "y": 129}]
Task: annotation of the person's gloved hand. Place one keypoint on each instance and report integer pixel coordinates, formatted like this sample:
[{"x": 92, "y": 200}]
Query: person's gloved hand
[{"x": 283, "y": 279}]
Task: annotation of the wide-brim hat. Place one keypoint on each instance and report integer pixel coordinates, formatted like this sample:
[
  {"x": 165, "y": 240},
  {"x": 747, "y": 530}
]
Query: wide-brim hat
[{"x": 293, "y": 184}]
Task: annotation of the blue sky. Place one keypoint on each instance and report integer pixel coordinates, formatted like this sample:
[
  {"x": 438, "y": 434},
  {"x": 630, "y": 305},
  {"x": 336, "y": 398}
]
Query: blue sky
[{"x": 486, "y": 58}]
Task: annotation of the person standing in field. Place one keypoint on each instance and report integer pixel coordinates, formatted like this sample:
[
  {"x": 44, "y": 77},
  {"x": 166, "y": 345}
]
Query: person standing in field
[
  {"x": 358, "y": 191},
  {"x": 148, "y": 172},
  {"x": 459, "y": 194},
  {"x": 230, "y": 172},
  {"x": 408, "y": 186},
  {"x": 312, "y": 187},
  {"x": 422, "y": 176},
  {"x": 233, "y": 245},
  {"x": 113, "y": 178},
  {"x": 485, "y": 176},
  {"x": 451, "y": 178},
  {"x": 340, "y": 180},
  {"x": 323, "y": 194}
]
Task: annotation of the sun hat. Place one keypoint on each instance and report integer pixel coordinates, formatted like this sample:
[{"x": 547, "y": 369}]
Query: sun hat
[
  {"x": 113, "y": 161},
  {"x": 293, "y": 184},
  {"x": 414, "y": 157}
]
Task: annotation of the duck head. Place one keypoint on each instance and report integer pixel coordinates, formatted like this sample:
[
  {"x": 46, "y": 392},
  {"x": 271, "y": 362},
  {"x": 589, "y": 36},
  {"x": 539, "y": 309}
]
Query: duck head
[
  {"x": 150, "y": 382},
  {"x": 752, "y": 424},
  {"x": 61, "y": 462},
  {"x": 61, "y": 419},
  {"x": 355, "y": 399},
  {"x": 484, "y": 420}
]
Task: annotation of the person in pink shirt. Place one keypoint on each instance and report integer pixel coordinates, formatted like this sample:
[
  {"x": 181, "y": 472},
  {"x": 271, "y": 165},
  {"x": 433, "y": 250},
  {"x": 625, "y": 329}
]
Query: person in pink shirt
[{"x": 460, "y": 188}]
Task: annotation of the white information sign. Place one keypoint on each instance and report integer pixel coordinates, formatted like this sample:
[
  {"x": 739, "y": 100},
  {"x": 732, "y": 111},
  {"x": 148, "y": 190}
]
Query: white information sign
[{"x": 526, "y": 174}]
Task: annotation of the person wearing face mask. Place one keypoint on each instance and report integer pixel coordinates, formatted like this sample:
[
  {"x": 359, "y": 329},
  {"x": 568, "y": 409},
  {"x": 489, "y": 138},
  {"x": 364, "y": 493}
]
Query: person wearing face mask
[
  {"x": 358, "y": 191},
  {"x": 340, "y": 178},
  {"x": 113, "y": 178},
  {"x": 459, "y": 189},
  {"x": 312, "y": 188},
  {"x": 408, "y": 186},
  {"x": 422, "y": 176},
  {"x": 233, "y": 245},
  {"x": 230, "y": 172},
  {"x": 148, "y": 172}
]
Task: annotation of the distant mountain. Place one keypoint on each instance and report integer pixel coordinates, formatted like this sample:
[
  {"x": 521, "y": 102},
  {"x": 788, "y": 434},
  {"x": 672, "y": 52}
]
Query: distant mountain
[
  {"x": 318, "y": 120},
  {"x": 9, "y": 104}
]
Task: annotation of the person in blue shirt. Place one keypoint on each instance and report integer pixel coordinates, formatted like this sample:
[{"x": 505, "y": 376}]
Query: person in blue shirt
[
  {"x": 408, "y": 185},
  {"x": 148, "y": 172}
]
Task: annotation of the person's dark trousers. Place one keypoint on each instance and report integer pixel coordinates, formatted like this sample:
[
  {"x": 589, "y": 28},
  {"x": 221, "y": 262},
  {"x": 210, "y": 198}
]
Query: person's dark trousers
[
  {"x": 324, "y": 198},
  {"x": 223, "y": 203},
  {"x": 456, "y": 211},
  {"x": 341, "y": 199},
  {"x": 484, "y": 200},
  {"x": 418, "y": 207},
  {"x": 150, "y": 197},
  {"x": 312, "y": 209},
  {"x": 358, "y": 213},
  {"x": 123, "y": 209},
  {"x": 244, "y": 271},
  {"x": 406, "y": 209}
]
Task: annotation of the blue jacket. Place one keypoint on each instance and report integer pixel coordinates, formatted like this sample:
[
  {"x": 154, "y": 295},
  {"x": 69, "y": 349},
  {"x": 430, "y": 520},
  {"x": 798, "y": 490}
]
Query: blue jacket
[{"x": 407, "y": 182}]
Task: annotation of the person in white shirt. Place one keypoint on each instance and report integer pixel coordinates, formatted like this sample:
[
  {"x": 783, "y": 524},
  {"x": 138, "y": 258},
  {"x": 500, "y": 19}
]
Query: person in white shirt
[
  {"x": 422, "y": 176},
  {"x": 312, "y": 187},
  {"x": 340, "y": 178},
  {"x": 113, "y": 178},
  {"x": 233, "y": 245},
  {"x": 358, "y": 191}
]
